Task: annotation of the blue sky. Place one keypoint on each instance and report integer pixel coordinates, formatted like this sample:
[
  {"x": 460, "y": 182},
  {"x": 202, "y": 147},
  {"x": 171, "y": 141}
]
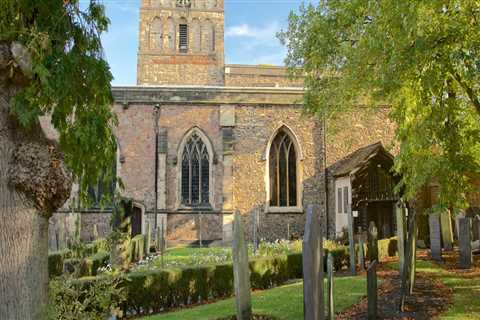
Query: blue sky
[{"x": 250, "y": 28}]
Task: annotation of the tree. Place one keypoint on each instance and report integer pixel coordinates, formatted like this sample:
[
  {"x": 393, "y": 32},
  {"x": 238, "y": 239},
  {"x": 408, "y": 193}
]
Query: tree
[
  {"x": 420, "y": 57},
  {"x": 51, "y": 64}
]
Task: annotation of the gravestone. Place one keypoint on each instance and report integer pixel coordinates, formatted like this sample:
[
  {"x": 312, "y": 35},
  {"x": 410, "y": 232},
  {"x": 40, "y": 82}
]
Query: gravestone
[
  {"x": 331, "y": 307},
  {"x": 312, "y": 257},
  {"x": 372, "y": 242},
  {"x": 372, "y": 290},
  {"x": 412, "y": 244},
  {"x": 435, "y": 237},
  {"x": 476, "y": 227},
  {"x": 95, "y": 232},
  {"x": 255, "y": 218},
  {"x": 446, "y": 229},
  {"x": 241, "y": 271},
  {"x": 400, "y": 219},
  {"x": 148, "y": 239},
  {"x": 351, "y": 241},
  {"x": 464, "y": 242},
  {"x": 361, "y": 254}
]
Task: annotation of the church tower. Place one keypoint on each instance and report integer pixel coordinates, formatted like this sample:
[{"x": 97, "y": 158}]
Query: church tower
[{"x": 181, "y": 43}]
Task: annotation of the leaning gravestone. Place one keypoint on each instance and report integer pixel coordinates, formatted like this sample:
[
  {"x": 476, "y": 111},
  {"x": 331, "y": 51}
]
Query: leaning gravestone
[
  {"x": 241, "y": 271},
  {"x": 312, "y": 255},
  {"x": 465, "y": 243},
  {"x": 331, "y": 308},
  {"x": 372, "y": 290},
  {"x": 435, "y": 237},
  {"x": 400, "y": 219},
  {"x": 351, "y": 241},
  {"x": 446, "y": 229}
]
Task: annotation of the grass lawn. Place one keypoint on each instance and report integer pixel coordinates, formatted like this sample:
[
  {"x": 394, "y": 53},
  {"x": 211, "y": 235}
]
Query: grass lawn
[
  {"x": 285, "y": 302},
  {"x": 466, "y": 291}
]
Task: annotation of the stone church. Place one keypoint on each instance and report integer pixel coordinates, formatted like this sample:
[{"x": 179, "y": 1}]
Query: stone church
[{"x": 218, "y": 137}]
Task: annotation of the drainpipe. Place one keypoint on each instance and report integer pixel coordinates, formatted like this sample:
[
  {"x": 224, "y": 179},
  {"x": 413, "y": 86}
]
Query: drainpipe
[{"x": 157, "y": 118}]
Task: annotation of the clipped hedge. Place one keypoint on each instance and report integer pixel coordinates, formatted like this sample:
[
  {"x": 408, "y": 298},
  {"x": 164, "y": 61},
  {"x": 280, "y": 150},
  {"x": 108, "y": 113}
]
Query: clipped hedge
[
  {"x": 154, "y": 291},
  {"x": 89, "y": 266},
  {"x": 55, "y": 264}
]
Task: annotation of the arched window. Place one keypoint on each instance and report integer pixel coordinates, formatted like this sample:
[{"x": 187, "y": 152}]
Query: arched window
[
  {"x": 156, "y": 34},
  {"x": 208, "y": 34},
  {"x": 195, "y": 172},
  {"x": 196, "y": 36},
  {"x": 283, "y": 171}
]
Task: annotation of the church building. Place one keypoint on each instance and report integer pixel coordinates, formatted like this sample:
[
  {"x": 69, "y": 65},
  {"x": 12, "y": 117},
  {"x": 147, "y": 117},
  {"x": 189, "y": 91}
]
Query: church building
[{"x": 218, "y": 137}]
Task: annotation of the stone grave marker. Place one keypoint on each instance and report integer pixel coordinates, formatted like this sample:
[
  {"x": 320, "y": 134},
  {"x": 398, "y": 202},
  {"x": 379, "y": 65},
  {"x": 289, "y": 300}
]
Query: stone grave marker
[
  {"x": 95, "y": 232},
  {"x": 331, "y": 306},
  {"x": 400, "y": 219},
  {"x": 361, "y": 253},
  {"x": 464, "y": 242},
  {"x": 372, "y": 290},
  {"x": 241, "y": 271},
  {"x": 351, "y": 241},
  {"x": 255, "y": 218},
  {"x": 148, "y": 239},
  {"x": 446, "y": 229},
  {"x": 372, "y": 242},
  {"x": 312, "y": 255},
  {"x": 476, "y": 227},
  {"x": 435, "y": 237}
]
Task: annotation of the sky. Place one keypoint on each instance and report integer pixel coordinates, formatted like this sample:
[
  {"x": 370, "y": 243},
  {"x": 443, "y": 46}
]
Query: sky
[{"x": 250, "y": 34}]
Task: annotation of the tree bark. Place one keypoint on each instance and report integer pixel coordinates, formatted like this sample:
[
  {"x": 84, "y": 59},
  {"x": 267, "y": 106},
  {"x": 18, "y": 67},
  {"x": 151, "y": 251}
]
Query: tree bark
[{"x": 33, "y": 183}]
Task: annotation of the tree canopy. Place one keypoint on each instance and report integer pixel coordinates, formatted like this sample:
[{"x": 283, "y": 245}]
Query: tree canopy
[
  {"x": 420, "y": 57},
  {"x": 68, "y": 79}
]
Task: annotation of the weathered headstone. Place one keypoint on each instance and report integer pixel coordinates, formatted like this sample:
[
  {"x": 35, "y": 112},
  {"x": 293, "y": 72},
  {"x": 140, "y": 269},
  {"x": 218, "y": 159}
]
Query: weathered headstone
[
  {"x": 372, "y": 290},
  {"x": 312, "y": 255},
  {"x": 412, "y": 243},
  {"x": 148, "y": 239},
  {"x": 241, "y": 271},
  {"x": 95, "y": 232},
  {"x": 361, "y": 254},
  {"x": 476, "y": 227},
  {"x": 351, "y": 241},
  {"x": 446, "y": 228},
  {"x": 372, "y": 242},
  {"x": 464, "y": 242},
  {"x": 435, "y": 237},
  {"x": 400, "y": 219},
  {"x": 255, "y": 217},
  {"x": 331, "y": 307}
]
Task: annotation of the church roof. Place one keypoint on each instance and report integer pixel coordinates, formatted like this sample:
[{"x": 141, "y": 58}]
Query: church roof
[{"x": 357, "y": 159}]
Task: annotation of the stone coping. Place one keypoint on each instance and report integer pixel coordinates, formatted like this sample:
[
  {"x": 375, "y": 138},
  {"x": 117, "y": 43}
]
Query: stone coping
[{"x": 210, "y": 95}]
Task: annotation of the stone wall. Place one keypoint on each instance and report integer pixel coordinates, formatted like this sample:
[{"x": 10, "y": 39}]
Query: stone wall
[
  {"x": 350, "y": 131},
  {"x": 255, "y": 127},
  {"x": 259, "y": 76},
  {"x": 160, "y": 60}
]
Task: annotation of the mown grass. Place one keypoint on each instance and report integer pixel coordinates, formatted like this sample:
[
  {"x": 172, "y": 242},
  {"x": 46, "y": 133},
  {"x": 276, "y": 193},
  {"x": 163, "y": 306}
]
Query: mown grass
[
  {"x": 466, "y": 291},
  {"x": 283, "y": 303}
]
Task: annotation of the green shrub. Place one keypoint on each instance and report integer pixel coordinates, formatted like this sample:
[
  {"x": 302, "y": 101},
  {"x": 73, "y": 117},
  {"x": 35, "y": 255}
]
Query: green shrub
[
  {"x": 89, "y": 266},
  {"x": 87, "y": 299},
  {"x": 55, "y": 264},
  {"x": 340, "y": 255},
  {"x": 157, "y": 290},
  {"x": 387, "y": 248}
]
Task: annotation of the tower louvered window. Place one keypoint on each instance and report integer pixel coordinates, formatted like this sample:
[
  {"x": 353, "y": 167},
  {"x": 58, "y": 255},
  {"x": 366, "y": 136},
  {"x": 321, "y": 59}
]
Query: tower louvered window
[
  {"x": 195, "y": 173},
  {"x": 183, "y": 43},
  {"x": 283, "y": 171}
]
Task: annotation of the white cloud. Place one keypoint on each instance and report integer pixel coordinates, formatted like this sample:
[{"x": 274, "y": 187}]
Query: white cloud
[{"x": 267, "y": 32}]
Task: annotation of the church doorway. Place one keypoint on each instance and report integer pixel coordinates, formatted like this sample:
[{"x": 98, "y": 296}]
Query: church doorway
[{"x": 136, "y": 221}]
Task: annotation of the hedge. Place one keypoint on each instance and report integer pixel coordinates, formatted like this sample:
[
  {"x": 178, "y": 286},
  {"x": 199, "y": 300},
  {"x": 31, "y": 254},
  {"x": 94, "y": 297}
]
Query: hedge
[
  {"x": 154, "y": 291},
  {"x": 89, "y": 266}
]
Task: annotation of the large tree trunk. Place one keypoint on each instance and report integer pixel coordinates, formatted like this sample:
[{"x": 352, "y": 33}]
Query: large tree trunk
[{"x": 33, "y": 183}]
